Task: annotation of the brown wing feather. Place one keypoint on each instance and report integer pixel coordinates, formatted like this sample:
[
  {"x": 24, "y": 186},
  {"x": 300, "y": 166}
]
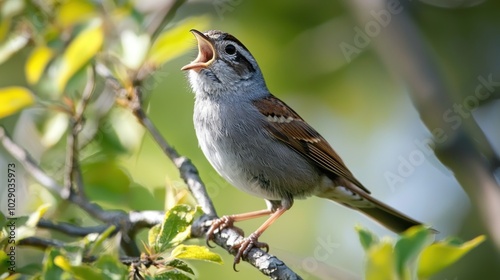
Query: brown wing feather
[{"x": 287, "y": 126}]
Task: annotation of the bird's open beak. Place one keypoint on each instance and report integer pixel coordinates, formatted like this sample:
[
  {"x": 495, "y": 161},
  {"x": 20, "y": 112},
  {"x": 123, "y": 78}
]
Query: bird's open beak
[{"x": 206, "y": 52}]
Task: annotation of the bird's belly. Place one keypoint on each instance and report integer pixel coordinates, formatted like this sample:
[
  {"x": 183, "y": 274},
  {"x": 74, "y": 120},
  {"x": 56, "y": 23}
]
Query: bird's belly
[{"x": 256, "y": 168}]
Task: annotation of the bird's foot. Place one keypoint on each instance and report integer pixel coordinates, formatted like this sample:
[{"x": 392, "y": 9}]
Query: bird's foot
[
  {"x": 245, "y": 245},
  {"x": 220, "y": 224}
]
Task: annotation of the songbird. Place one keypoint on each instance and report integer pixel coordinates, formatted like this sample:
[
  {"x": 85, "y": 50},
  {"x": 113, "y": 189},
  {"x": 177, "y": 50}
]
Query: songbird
[{"x": 262, "y": 146}]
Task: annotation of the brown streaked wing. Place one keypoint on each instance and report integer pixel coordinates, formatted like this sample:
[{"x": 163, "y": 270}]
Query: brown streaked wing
[{"x": 301, "y": 137}]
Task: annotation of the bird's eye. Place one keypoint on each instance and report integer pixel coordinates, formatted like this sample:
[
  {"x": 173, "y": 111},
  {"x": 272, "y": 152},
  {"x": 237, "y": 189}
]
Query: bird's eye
[{"x": 230, "y": 49}]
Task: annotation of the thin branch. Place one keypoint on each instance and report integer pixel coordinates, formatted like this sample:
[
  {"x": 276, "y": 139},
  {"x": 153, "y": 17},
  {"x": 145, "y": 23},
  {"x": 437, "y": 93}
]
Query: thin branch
[
  {"x": 74, "y": 174},
  {"x": 145, "y": 219},
  {"x": 70, "y": 229},
  {"x": 86, "y": 95},
  {"x": 73, "y": 177},
  {"x": 44, "y": 244},
  {"x": 41, "y": 243},
  {"x": 29, "y": 164},
  {"x": 189, "y": 173}
]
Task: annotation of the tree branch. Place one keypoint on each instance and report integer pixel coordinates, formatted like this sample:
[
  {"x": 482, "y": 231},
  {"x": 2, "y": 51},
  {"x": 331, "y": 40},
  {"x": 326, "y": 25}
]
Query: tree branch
[
  {"x": 73, "y": 175},
  {"x": 266, "y": 263},
  {"x": 41, "y": 243},
  {"x": 189, "y": 173},
  {"x": 70, "y": 229},
  {"x": 29, "y": 164}
]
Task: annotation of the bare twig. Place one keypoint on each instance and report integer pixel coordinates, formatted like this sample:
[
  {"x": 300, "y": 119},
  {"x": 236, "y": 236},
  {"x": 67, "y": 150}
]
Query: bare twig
[
  {"x": 41, "y": 242},
  {"x": 187, "y": 170},
  {"x": 73, "y": 177},
  {"x": 71, "y": 229},
  {"x": 29, "y": 164},
  {"x": 145, "y": 219}
]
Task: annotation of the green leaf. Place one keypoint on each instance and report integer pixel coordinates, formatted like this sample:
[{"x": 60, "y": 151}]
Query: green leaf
[
  {"x": 36, "y": 63},
  {"x": 153, "y": 234},
  {"x": 180, "y": 265},
  {"x": 366, "y": 237},
  {"x": 111, "y": 267},
  {"x": 380, "y": 263},
  {"x": 176, "y": 227},
  {"x": 30, "y": 269},
  {"x": 50, "y": 269},
  {"x": 83, "y": 48},
  {"x": 408, "y": 247},
  {"x": 4, "y": 262},
  {"x": 175, "y": 41},
  {"x": 13, "y": 99},
  {"x": 3, "y": 220},
  {"x": 195, "y": 252},
  {"x": 442, "y": 254},
  {"x": 170, "y": 275},
  {"x": 79, "y": 271},
  {"x": 100, "y": 239}
]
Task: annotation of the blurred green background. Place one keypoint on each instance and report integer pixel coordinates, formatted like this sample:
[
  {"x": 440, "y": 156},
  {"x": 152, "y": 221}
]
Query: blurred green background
[{"x": 359, "y": 106}]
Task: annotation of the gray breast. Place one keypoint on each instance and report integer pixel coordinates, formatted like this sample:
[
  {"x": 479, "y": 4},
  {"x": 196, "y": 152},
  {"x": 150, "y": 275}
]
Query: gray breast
[{"x": 243, "y": 153}]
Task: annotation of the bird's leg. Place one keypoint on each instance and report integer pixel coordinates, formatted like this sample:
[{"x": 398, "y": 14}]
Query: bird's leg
[
  {"x": 276, "y": 208},
  {"x": 245, "y": 245},
  {"x": 228, "y": 221}
]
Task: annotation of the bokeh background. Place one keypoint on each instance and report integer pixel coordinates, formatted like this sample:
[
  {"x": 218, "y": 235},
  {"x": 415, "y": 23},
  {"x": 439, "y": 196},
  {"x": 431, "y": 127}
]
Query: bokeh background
[{"x": 363, "y": 109}]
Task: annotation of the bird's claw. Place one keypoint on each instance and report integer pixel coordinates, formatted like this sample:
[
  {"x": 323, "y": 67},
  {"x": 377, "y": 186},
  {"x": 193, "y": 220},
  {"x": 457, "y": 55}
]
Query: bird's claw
[
  {"x": 244, "y": 247},
  {"x": 220, "y": 224}
]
